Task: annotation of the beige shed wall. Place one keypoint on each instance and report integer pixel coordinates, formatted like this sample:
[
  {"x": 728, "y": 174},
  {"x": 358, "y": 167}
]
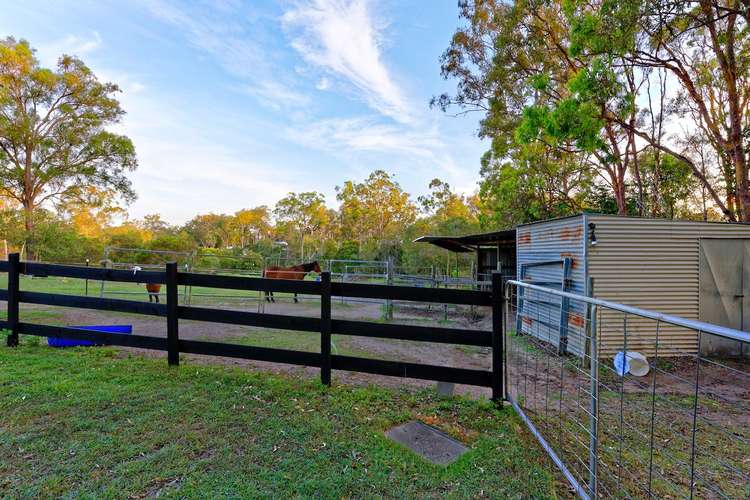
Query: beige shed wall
[{"x": 651, "y": 264}]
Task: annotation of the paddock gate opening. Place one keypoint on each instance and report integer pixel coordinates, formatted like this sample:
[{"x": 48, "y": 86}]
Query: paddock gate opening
[{"x": 676, "y": 425}]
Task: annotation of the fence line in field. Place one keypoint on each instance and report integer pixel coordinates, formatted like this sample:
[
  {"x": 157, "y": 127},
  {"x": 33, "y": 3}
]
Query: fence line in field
[
  {"x": 324, "y": 325},
  {"x": 342, "y": 270}
]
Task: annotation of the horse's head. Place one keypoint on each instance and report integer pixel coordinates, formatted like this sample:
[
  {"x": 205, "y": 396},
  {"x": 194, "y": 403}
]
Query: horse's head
[{"x": 316, "y": 266}]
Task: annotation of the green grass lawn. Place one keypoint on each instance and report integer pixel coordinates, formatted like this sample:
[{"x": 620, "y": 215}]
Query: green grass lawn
[{"x": 85, "y": 422}]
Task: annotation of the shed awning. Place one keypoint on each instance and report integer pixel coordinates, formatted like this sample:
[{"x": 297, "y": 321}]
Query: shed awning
[{"x": 470, "y": 242}]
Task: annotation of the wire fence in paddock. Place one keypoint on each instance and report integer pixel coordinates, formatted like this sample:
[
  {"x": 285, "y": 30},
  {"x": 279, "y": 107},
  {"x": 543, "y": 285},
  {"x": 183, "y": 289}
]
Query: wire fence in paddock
[
  {"x": 342, "y": 271},
  {"x": 661, "y": 421}
]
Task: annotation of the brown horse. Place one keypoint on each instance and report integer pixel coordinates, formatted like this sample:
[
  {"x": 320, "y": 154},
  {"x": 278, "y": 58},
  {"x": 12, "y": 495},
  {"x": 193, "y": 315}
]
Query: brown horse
[
  {"x": 153, "y": 290},
  {"x": 289, "y": 273}
]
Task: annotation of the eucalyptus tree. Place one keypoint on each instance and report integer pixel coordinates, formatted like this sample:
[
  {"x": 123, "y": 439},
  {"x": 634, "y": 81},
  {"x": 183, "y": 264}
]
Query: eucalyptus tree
[
  {"x": 704, "y": 48},
  {"x": 376, "y": 210},
  {"x": 515, "y": 63},
  {"x": 54, "y": 137},
  {"x": 604, "y": 80},
  {"x": 302, "y": 213},
  {"x": 250, "y": 225}
]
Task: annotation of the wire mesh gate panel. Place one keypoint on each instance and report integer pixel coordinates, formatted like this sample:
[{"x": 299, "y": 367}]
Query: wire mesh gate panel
[{"x": 673, "y": 426}]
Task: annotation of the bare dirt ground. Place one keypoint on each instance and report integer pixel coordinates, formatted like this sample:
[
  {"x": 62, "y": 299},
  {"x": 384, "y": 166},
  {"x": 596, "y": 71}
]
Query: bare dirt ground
[
  {"x": 418, "y": 352},
  {"x": 636, "y": 414},
  {"x": 724, "y": 385},
  {"x": 677, "y": 379}
]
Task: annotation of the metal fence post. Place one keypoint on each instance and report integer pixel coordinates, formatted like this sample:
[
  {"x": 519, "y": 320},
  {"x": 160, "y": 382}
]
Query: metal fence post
[
  {"x": 87, "y": 280},
  {"x": 389, "y": 282},
  {"x": 173, "y": 342},
  {"x": 564, "y": 307},
  {"x": 14, "y": 272},
  {"x": 594, "y": 405},
  {"x": 498, "y": 386},
  {"x": 325, "y": 327}
]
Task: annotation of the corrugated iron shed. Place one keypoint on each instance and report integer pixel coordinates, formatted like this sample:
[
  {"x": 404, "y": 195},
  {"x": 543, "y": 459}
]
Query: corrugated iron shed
[
  {"x": 648, "y": 263},
  {"x": 654, "y": 264},
  {"x": 657, "y": 264}
]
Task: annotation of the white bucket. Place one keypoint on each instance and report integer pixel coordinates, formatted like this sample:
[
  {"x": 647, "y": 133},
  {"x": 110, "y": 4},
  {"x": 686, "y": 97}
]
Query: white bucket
[
  {"x": 638, "y": 364},
  {"x": 634, "y": 363}
]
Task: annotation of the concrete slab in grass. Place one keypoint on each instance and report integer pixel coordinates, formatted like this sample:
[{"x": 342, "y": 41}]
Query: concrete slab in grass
[{"x": 428, "y": 442}]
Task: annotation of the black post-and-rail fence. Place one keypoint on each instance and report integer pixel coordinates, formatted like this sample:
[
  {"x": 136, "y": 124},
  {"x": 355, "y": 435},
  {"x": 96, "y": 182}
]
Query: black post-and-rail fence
[{"x": 324, "y": 325}]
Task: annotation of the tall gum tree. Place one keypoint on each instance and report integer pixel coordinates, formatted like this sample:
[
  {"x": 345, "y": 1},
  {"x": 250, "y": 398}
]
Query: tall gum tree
[
  {"x": 305, "y": 213},
  {"x": 605, "y": 80},
  {"x": 514, "y": 63},
  {"x": 54, "y": 142},
  {"x": 376, "y": 210},
  {"x": 704, "y": 46}
]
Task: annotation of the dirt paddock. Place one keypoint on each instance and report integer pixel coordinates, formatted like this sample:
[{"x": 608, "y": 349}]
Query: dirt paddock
[
  {"x": 396, "y": 350},
  {"x": 676, "y": 383}
]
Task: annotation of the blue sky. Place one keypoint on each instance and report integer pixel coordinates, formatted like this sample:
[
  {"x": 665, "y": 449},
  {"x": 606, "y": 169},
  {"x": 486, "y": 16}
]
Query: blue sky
[{"x": 233, "y": 104}]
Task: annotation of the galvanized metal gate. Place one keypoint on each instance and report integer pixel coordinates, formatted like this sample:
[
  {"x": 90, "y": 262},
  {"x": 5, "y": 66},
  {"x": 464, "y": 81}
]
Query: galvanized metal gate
[{"x": 674, "y": 431}]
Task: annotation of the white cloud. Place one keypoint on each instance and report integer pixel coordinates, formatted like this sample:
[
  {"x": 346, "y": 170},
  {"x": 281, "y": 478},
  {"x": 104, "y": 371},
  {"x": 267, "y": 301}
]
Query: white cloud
[
  {"x": 273, "y": 95},
  {"x": 225, "y": 32},
  {"x": 413, "y": 149},
  {"x": 73, "y": 45},
  {"x": 344, "y": 38},
  {"x": 364, "y": 134},
  {"x": 183, "y": 168},
  {"x": 135, "y": 87},
  {"x": 182, "y": 172}
]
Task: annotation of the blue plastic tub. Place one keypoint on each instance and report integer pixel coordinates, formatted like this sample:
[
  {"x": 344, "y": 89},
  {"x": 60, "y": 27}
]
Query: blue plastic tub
[{"x": 62, "y": 342}]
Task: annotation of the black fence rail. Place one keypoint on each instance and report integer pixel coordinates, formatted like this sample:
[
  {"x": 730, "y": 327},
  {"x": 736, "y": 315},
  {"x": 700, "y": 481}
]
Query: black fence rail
[{"x": 324, "y": 325}]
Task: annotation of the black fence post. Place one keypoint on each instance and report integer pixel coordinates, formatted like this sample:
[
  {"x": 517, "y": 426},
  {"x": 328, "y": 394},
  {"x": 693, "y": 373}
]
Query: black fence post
[
  {"x": 498, "y": 391},
  {"x": 173, "y": 340},
  {"x": 14, "y": 273},
  {"x": 325, "y": 327}
]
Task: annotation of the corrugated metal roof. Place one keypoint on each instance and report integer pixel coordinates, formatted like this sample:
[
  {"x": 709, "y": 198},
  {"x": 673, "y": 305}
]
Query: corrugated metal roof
[
  {"x": 445, "y": 242},
  {"x": 632, "y": 217},
  {"x": 469, "y": 242}
]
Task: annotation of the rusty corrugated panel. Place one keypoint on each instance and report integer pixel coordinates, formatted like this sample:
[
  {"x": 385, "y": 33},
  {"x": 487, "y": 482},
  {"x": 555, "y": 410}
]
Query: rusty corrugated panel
[
  {"x": 652, "y": 264},
  {"x": 551, "y": 241}
]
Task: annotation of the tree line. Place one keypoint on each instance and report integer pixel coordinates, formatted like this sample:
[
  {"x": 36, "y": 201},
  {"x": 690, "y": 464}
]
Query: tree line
[
  {"x": 633, "y": 107},
  {"x": 375, "y": 220}
]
